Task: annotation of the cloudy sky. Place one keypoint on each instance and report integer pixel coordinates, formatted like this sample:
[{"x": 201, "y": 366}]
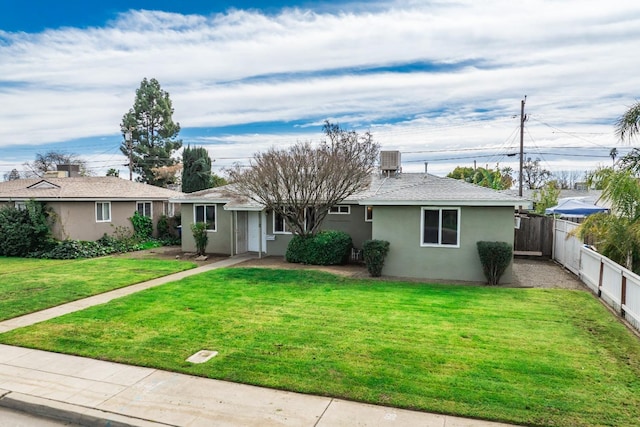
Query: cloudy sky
[{"x": 441, "y": 81}]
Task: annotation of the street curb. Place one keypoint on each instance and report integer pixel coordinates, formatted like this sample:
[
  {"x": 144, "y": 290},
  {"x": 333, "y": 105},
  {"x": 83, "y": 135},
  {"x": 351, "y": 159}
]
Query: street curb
[{"x": 67, "y": 412}]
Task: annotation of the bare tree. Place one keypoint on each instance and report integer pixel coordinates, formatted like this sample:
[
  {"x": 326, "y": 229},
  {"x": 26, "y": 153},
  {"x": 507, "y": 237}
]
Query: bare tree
[
  {"x": 12, "y": 176},
  {"x": 302, "y": 182},
  {"x": 49, "y": 162},
  {"x": 535, "y": 176}
]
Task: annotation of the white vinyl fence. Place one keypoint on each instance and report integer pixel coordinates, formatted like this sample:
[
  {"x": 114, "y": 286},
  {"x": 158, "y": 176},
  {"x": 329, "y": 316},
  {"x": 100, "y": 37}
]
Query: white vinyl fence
[{"x": 617, "y": 286}]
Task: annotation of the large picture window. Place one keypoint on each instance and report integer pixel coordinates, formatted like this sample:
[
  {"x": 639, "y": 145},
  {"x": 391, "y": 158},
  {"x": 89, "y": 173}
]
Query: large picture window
[
  {"x": 440, "y": 227},
  {"x": 207, "y": 214},
  {"x": 103, "y": 211}
]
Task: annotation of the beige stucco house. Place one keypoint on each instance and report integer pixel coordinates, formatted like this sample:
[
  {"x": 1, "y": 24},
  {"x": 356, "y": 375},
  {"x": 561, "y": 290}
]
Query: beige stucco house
[
  {"x": 85, "y": 208},
  {"x": 432, "y": 223}
]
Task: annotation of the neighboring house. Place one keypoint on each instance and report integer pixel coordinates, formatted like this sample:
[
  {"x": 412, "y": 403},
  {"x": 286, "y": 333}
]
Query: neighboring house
[
  {"x": 432, "y": 223},
  {"x": 85, "y": 208}
]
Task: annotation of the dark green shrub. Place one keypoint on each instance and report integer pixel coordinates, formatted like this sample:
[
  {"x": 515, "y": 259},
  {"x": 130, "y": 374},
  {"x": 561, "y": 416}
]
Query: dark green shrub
[
  {"x": 327, "y": 247},
  {"x": 142, "y": 226},
  {"x": 199, "y": 230},
  {"x": 374, "y": 253},
  {"x": 167, "y": 231},
  {"x": 24, "y": 230},
  {"x": 495, "y": 257}
]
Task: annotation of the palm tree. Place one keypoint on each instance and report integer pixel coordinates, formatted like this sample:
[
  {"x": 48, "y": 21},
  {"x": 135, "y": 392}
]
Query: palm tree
[
  {"x": 617, "y": 235},
  {"x": 628, "y": 126}
]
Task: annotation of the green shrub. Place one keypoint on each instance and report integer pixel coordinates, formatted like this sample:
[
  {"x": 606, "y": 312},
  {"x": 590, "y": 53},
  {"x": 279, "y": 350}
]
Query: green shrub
[
  {"x": 167, "y": 230},
  {"x": 24, "y": 230},
  {"x": 327, "y": 247},
  {"x": 374, "y": 253},
  {"x": 495, "y": 257},
  {"x": 142, "y": 226},
  {"x": 199, "y": 230}
]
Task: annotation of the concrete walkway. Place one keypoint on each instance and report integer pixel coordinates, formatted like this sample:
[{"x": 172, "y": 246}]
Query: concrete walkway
[{"x": 97, "y": 393}]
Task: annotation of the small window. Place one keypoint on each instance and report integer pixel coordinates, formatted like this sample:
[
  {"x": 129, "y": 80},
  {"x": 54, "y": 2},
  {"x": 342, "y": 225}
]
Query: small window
[
  {"x": 368, "y": 213},
  {"x": 340, "y": 210},
  {"x": 144, "y": 209},
  {"x": 280, "y": 225},
  {"x": 206, "y": 213},
  {"x": 103, "y": 211},
  {"x": 169, "y": 209},
  {"x": 440, "y": 227},
  {"x": 21, "y": 206}
]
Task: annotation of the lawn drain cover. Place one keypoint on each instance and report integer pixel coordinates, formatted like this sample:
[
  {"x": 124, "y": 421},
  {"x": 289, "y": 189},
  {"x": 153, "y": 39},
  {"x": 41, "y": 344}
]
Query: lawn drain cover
[{"x": 202, "y": 356}]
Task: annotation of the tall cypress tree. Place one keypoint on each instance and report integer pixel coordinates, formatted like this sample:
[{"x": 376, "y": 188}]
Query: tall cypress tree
[{"x": 196, "y": 169}]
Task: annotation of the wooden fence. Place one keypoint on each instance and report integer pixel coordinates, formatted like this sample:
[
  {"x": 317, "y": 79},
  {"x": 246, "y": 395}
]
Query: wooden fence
[
  {"x": 618, "y": 287},
  {"x": 533, "y": 236}
]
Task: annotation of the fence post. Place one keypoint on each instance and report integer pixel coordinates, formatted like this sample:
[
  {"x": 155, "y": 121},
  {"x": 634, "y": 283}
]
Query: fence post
[
  {"x": 600, "y": 278},
  {"x": 623, "y": 297}
]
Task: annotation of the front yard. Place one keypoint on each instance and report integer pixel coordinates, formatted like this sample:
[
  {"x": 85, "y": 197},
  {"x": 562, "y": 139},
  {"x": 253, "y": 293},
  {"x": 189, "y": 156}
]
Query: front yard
[
  {"x": 526, "y": 356},
  {"x": 28, "y": 285}
]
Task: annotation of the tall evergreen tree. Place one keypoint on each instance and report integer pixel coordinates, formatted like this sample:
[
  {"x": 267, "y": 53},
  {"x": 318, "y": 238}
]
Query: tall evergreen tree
[
  {"x": 196, "y": 170},
  {"x": 153, "y": 137}
]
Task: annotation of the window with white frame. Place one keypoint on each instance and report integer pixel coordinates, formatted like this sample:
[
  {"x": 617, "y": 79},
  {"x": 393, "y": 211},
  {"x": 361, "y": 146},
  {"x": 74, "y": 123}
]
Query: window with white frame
[
  {"x": 340, "y": 210},
  {"x": 368, "y": 213},
  {"x": 103, "y": 211},
  {"x": 169, "y": 209},
  {"x": 207, "y": 214},
  {"x": 440, "y": 227},
  {"x": 280, "y": 225},
  {"x": 145, "y": 209},
  {"x": 21, "y": 206}
]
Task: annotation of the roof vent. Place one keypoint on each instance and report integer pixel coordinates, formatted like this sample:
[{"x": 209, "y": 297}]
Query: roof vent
[{"x": 390, "y": 161}]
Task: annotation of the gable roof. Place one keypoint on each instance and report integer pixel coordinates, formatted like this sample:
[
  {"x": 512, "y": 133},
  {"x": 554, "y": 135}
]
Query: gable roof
[
  {"x": 82, "y": 188},
  {"x": 404, "y": 189}
]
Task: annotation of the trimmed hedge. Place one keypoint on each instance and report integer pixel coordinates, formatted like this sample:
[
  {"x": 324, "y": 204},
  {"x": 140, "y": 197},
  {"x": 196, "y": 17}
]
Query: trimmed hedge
[
  {"x": 495, "y": 257},
  {"x": 328, "y": 247},
  {"x": 374, "y": 253}
]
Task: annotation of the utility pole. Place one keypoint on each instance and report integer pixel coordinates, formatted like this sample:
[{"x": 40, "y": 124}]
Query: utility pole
[
  {"x": 523, "y": 118},
  {"x": 128, "y": 137}
]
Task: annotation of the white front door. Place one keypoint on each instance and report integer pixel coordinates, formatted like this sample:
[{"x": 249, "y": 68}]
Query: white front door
[{"x": 255, "y": 226}]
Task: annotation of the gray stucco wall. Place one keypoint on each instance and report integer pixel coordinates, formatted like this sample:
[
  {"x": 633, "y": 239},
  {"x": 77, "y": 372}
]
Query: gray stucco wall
[
  {"x": 352, "y": 224},
  {"x": 400, "y": 225},
  {"x": 219, "y": 241}
]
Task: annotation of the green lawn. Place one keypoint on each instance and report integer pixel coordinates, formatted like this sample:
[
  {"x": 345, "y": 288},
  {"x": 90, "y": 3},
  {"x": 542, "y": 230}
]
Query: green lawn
[
  {"x": 28, "y": 285},
  {"x": 525, "y": 356}
]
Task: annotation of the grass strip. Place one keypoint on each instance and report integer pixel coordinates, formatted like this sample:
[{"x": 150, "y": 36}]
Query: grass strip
[{"x": 29, "y": 285}]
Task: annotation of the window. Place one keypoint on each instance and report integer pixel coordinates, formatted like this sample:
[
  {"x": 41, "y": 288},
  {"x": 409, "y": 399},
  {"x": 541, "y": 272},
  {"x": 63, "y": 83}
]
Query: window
[
  {"x": 368, "y": 213},
  {"x": 144, "y": 209},
  {"x": 440, "y": 227},
  {"x": 103, "y": 211},
  {"x": 340, "y": 210},
  {"x": 280, "y": 224},
  {"x": 206, "y": 213},
  {"x": 169, "y": 209},
  {"x": 21, "y": 206}
]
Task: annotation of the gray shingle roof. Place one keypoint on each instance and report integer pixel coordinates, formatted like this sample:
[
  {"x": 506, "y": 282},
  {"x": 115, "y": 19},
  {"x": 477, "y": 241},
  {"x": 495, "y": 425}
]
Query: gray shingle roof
[
  {"x": 418, "y": 188},
  {"x": 405, "y": 189},
  {"x": 82, "y": 188}
]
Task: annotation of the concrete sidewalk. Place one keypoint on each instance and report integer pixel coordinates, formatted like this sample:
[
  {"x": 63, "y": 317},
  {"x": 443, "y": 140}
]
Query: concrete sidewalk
[{"x": 97, "y": 393}]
